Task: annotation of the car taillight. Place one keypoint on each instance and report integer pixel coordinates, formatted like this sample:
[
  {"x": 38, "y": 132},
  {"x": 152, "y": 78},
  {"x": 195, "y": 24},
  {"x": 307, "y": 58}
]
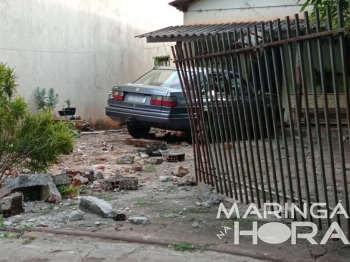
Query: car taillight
[
  {"x": 116, "y": 95},
  {"x": 169, "y": 101}
]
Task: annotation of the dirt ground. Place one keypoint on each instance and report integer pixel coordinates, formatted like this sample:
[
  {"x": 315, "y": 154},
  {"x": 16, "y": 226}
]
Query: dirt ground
[{"x": 173, "y": 211}]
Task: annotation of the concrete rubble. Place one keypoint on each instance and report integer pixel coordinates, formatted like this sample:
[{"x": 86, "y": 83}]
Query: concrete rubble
[
  {"x": 12, "y": 204},
  {"x": 93, "y": 205},
  {"x": 48, "y": 189}
]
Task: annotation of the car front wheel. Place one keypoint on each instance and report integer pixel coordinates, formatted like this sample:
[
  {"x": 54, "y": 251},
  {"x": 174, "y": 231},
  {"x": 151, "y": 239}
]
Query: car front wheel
[{"x": 138, "y": 131}]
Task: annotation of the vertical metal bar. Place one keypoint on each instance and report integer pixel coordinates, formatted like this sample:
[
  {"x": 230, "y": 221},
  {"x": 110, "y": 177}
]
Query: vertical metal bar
[
  {"x": 291, "y": 125},
  {"x": 268, "y": 116},
  {"x": 337, "y": 110},
  {"x": 217, "y": 124},
  {"x": 200, "y": 74},
  {"x": 317, "y": 125},
  {"x": 222, "y": 132},
  {"x": 326, "y": 112},
  {"x": 253, "y": 117},
  {"x": 345, "y": 82},
  {"x": 247, "y": 120},
  {"x": 262, "y": 115},
  {"x": 211, "y": 121},
  {"x": 291, "y": 63},
  {"x": 280, "y": 110},
  {"x": 199, "y": 116},
  {"x": 236, "y": 131},
  {"x": 231, "y": 141},
  {"x": 242, "y": 123},
  {"x": 184, "y": 85},
  {"x": 302, "y": 146}
]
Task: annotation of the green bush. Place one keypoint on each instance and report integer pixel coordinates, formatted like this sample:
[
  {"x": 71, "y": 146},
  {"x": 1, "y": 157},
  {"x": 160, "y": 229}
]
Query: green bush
[{"x": 32, "y": 141}]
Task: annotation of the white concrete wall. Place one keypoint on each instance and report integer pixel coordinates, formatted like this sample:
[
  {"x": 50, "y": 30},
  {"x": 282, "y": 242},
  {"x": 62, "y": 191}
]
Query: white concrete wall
[
  {"x": 228, "y": 11},
  {"x": 81, "y": 48}
]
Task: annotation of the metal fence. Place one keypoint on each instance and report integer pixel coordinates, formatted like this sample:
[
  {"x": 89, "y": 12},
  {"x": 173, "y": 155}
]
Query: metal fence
[{"x": 269, "y": 111}]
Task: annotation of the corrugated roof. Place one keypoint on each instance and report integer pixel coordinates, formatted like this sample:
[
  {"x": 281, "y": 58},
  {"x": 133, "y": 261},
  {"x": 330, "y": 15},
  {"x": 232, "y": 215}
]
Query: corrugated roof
[
  {"x": 185, "y": 32},
  {"x": 182, "y": 5}
]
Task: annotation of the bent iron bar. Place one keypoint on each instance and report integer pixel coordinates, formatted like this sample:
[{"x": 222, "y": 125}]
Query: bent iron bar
[{"x": 229, "y": 122}]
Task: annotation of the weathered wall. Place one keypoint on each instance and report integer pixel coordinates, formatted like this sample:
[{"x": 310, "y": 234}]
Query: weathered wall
[
  {"x": 228, "y": 11},
  {"x": 81, "y": 48}
]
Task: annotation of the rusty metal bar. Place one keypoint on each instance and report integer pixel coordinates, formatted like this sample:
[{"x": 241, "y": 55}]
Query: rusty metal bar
[
  {"x": 317, "y": 125},
  {"x": 337, "y": 110},
  {"x": 347, "y": 105}
]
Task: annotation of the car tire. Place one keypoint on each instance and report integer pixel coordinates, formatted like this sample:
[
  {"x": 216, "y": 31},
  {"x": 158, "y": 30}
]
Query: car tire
[{"x": 138, "y": 131}]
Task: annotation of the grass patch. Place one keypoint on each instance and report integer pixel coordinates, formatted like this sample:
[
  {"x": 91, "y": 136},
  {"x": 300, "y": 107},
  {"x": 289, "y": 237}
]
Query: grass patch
[
  {"x": 197, "y": 210},
  {"x": 185, "y": 246},
  {"x": 67, "y": 189},
  {"x": 193, "y": 219},
  {"x": 171, "y": 189},
  {"x": 106, "y": 197},
  {"x": 5, "y": 235},
  {"x": 1, "y": 221},
  {"x": 150, "y": 169},
  {"x": 47, "y": 210},
  {"x": 179, "y": 212},
  {"x": 28, "y": 241},
  {"x": 143, "y": 204},
  {"x": 24, "y": 228},
  {"x": 190, "y": 247}
]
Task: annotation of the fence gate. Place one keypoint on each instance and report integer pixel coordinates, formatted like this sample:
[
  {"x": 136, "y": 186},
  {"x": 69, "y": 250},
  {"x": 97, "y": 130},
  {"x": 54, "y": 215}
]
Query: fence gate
[{"x": 269, "y": 111}]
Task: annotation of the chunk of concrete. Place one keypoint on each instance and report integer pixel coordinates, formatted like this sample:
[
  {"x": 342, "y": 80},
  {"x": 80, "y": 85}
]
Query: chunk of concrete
[
  {"x": 49, "y": 190},
  {"x": 76, "y": 215},
  {"x": 61, "y": 179},
  {"x": 189, "y": 179},
  {"x": 121, "y": 182},
  {"x": 93, "y": 205},
  {"x": 12, "y": 205},
  {"x": 125, "y": 160},
  {"x": 138, "y": 220}
]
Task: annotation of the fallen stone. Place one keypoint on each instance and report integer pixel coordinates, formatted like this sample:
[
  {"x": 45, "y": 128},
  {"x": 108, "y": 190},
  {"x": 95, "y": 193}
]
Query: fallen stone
[
  {"x": 61, "y": 179},
  {"x": 164, "y": 178},
  {"x": 198, "y": 203},
  {"x": 16, "y": 219},
  {"x": 12, "y": 205},
  {"x": 195, "y": 225},
  {"x": 182, "y": 171},
  {"x": 143, "y": 155},
  {"x": 49, "y": 190},
  {"x": 189, "y": 179},
  {"x": 211, "y": 198},
  {"x": 98, "y": 175},
  {"x": 138, "y": 220},
  {"x": 174, "y": 157},
  {"x": 56, "y": 208},
  {"x": 80, "y": 178},
  {"x": 125, "y": 160},
  {"x": 97, "y": 206},
  {"x": 76, "y": 215}
]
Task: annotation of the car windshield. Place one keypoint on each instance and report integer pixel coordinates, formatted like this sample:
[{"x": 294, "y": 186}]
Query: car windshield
[
  {"x": 218, "y": 81},
  {"x": 160, "y": 77}
]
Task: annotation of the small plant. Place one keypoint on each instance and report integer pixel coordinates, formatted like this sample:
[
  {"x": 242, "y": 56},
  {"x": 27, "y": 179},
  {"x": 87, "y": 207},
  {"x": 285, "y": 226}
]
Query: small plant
[
  {"x": 68, "y": 103},
  {"x": 193, "y": 219},
  {"x": 185, "y": 246},
  {"x": 161, "y": 60},
  {"x": 24, "y": 228},
  {"x": 64, "y": 190},
  {"x": 5, "y": 235},
  {"x": 45, "y": 100},
  {"x": 74, "y": 132},
  {"x": 28, "y": 240},
  {"x": 1, "y": 221}
]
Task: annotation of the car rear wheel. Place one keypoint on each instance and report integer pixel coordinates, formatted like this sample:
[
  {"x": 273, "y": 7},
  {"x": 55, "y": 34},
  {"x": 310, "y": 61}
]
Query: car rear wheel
[{"x": 138, "y": 131}]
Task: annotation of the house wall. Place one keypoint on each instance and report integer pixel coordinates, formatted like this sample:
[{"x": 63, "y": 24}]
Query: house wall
[
  {"x": 228, "y": 11},
  {"x": 81, "y": 48}
]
